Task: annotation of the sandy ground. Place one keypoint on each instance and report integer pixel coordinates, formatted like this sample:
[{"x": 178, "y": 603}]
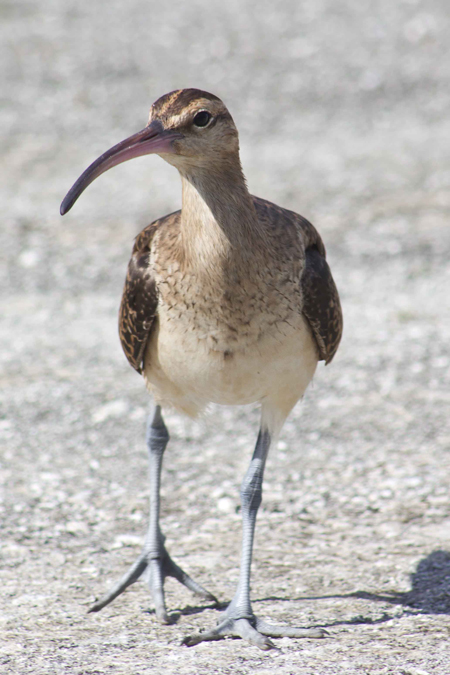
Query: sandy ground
[{"x": 343, "y": 112}]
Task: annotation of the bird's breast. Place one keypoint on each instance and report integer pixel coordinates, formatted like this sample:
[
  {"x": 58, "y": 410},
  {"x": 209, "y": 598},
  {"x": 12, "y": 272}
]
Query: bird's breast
[{"x": 229, "y": 346}]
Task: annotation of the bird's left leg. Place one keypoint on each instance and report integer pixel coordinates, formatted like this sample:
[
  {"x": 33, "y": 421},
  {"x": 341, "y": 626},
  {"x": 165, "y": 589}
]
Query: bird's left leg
[
  {"x": 154, "y": 559},
  {"x": 238, "y": 619}
]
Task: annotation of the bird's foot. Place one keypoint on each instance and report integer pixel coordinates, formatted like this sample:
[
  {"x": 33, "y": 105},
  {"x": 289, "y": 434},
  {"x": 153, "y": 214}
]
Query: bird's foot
[
  {"x": 155, "y": 569},
  {"x": 256, "y": 631}
]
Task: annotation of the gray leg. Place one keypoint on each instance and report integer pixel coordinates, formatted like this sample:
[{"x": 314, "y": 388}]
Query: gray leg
[
  {"x": 238, "y": 619},
  {"x": 154, "y": 559}
]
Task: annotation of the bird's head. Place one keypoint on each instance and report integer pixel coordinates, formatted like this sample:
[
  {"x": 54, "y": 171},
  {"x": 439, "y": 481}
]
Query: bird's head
[{"x": 189, "y": 128}]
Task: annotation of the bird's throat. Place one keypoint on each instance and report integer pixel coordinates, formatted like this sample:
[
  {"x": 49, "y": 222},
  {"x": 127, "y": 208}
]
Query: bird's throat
[{"x": 218, "y": 218}]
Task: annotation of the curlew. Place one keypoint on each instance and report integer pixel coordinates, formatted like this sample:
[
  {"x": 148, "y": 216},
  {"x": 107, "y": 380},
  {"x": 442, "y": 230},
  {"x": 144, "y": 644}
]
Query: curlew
[{"x": 229, "y": 300}]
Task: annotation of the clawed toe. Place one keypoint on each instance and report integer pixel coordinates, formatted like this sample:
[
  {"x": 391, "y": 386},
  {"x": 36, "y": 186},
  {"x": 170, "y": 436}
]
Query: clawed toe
[
  {"x": 155, "y": 571},
  {"x": 286, "y": 631},
  {"x": 255, "y": 631},
  {"x": 133, "y": 574}
]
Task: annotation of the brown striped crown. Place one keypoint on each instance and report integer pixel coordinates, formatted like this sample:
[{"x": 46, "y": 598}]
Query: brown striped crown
[
  {"x": 177, "y": 107},
  {"x": 175, "y": 102}
]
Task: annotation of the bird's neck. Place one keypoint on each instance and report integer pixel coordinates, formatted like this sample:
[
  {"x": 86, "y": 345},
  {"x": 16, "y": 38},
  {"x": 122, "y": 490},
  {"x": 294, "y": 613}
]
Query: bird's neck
[{"x": 218, "y": 218}]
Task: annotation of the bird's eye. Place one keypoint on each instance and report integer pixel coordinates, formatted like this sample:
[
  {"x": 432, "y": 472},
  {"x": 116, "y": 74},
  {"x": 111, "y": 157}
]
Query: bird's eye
[{"x": 202, "y": 118}]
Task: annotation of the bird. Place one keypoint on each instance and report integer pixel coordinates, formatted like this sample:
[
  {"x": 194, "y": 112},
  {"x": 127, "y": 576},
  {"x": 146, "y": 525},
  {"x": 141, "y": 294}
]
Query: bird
[{"x": 229, "y": 300}]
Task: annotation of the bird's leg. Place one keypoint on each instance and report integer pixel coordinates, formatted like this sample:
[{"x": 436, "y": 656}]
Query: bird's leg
[
  {"x": 154, "y": 560},
  {"x": 238, "y": 619}
]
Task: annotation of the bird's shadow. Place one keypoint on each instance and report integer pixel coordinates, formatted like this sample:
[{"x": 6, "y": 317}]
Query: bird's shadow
[
  {"x": 178, "y": 612},
  {"x": 429, "y": 594}
]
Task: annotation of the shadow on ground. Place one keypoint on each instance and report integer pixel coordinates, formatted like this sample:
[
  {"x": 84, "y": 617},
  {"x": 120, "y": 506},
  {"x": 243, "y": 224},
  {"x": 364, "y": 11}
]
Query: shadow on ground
[
  {"x": 430, "y": 592},
  {"x": 177, "y": 613}
]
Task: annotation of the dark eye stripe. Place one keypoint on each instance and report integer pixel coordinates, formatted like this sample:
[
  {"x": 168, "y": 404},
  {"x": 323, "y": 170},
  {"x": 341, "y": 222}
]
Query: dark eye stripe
[{"x": 202, "y": 118}]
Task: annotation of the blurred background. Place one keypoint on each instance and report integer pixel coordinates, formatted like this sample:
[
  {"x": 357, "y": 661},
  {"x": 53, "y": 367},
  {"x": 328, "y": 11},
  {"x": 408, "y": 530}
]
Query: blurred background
[{"x": 343, "y": 113}]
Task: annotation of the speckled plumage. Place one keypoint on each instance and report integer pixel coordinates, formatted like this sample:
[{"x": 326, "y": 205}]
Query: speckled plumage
[{"x": 297, "y": 254}]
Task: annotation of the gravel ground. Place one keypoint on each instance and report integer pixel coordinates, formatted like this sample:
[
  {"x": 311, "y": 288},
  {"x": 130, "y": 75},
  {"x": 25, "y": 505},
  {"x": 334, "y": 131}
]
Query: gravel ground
[{"x": 343, "y": 112}]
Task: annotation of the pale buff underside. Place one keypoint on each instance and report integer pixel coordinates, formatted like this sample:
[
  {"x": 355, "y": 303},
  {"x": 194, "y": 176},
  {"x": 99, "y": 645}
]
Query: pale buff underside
[{"x": 186, "y": 372}]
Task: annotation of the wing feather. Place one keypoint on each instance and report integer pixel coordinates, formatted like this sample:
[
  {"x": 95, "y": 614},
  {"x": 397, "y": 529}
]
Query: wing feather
[
  {"x": 139, "y": 306},
  {"x": 321, "y": 306}
]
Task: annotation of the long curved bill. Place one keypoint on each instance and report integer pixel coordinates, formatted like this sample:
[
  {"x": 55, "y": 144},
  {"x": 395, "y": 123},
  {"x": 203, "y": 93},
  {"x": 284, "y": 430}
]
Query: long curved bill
[{"x": 153, "y": 139}]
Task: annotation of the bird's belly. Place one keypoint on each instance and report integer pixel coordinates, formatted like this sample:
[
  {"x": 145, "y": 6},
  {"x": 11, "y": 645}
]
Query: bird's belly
[{"x": 188, "y": 370}]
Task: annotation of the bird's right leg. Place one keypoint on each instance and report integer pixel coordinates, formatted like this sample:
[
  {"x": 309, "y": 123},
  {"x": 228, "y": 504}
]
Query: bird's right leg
[{"x": 154, "y": 560}]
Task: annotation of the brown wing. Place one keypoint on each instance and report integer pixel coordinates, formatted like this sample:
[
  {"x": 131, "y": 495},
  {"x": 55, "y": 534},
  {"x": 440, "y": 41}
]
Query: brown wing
[
  {"x": 321, "y": 305},
  {"x": 139, "y": 301},
  {"x": 139, "y": 304},
  {"x": 288, "y": 225}
]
